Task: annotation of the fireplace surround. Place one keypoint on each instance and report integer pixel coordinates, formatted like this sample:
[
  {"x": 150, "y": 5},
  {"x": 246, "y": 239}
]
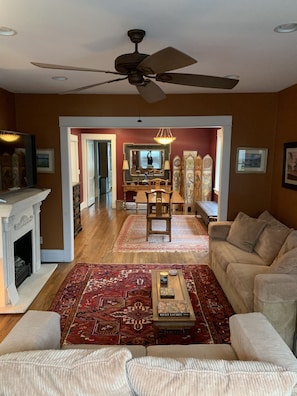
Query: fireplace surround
[{"x": 20, "y": 216}]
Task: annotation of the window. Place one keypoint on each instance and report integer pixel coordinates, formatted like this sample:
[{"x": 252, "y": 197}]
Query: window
[{"x": 218, "y": 161}]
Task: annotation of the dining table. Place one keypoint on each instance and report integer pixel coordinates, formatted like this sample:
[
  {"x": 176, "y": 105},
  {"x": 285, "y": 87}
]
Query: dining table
[{"x": 176, "y": 198}]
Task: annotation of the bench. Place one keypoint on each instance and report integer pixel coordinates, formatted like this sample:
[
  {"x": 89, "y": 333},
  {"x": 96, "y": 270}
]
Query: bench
[{"x": 208, "y": 210}]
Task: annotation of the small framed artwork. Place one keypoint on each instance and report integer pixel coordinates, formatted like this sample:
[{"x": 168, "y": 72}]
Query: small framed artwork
[
  {"x": 45, "y": 160},
  {"x": 251, "y": 160},
  {"x": 290, "y": 165}
]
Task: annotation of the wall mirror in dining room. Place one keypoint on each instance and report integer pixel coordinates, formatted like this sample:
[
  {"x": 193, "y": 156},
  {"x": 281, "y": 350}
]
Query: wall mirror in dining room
[{"x": 146, "y": 160}]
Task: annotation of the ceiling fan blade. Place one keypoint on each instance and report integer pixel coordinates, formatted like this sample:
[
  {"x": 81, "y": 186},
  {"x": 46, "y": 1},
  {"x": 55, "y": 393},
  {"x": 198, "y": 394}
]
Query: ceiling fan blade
[
  {"x": 151, "y": 92},
  {"x": 197, "y": 80},
  {"x": 164, "y": 60},
  {"x": 62, "y": 67},
  {"x": 94, "y": 85}
]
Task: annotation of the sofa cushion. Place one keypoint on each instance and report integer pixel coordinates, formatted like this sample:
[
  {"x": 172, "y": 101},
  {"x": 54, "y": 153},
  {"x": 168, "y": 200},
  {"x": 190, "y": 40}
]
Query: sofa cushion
[
  {"x": 197, "y": 351},
  {"x": 272, "y": 238},
  {"x": 285, "y": 264},
  {"x": 245, "y": 231},
  {"x": 65, "y": 372},
  {"x": 226, "y": 253},
  {"x": 151, "y": 376},
  {"x": 242, "y": 276},
  {"x": 136, "y": 350}
]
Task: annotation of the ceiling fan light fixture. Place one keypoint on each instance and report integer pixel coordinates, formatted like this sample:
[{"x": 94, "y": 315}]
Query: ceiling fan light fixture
[
  {"x": 164, "y": 136},
  {"x": 5, "y": 31},
  {"x": 286, "y": 28}
]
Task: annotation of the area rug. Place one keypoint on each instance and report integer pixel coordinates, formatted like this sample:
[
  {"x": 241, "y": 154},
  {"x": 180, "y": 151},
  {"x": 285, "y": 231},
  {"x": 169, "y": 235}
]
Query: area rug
[
  {"x": 111, "y": 305},
  {"x": 187, "y": 234}
]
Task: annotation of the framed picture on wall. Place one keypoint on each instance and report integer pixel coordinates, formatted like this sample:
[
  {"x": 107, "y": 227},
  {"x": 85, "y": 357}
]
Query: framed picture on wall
[
  {"x": 251, "y": 160},
  {"x": 290, "y": 165},
  {"x": 45, "y": 160}
]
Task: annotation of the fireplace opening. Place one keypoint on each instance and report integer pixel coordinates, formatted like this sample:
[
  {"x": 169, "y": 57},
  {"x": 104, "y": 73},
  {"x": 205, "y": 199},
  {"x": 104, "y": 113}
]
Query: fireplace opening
[{"x": 23, "y": 258}]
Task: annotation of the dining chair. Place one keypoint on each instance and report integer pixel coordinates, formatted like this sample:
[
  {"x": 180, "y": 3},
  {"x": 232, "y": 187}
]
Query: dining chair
[
  {"x": 158, "y": 183},
  {"x": 158, "y": 208}
]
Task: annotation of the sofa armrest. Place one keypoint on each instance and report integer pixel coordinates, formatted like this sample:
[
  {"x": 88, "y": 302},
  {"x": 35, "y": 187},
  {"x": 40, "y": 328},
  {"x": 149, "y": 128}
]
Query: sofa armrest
[
  {"x": 219, "y": 229},
  {"x": 254, "y": 338},
  {"x": 35, "y": 330},
  {"x": 276, "y": 287},
  {"x": 275, "y": 295}
]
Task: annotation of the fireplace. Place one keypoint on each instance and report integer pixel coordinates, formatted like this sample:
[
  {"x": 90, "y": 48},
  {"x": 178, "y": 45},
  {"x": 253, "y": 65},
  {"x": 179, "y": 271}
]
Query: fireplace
[
  {"x": 20, "y": 262},
  {"x": 23, "y": 258}
]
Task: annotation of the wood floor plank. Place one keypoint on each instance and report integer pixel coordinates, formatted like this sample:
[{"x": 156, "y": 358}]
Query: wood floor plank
[{"x": 101, "y": 225}]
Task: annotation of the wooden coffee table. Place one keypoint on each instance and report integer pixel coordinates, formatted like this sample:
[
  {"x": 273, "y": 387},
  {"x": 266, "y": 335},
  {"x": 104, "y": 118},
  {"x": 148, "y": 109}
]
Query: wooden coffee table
[{"x": 177, "y": 282}]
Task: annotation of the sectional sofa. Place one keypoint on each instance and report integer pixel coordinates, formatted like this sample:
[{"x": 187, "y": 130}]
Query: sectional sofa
[
  {"x": 257, "y": 363},
  {"x": 255, "y": 262}
]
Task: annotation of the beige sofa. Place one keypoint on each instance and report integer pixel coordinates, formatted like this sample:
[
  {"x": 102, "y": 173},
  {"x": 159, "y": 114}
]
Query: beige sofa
[
  {"x": 258, "y": 362},
  {"x": 255, "y": 262}
]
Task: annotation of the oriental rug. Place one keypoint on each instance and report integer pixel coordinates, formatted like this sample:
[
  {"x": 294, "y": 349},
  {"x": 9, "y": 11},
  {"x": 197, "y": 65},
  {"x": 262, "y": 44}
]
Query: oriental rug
[
  {"x": 187, "y": 234},
  {"x": 111, "y": 305}
]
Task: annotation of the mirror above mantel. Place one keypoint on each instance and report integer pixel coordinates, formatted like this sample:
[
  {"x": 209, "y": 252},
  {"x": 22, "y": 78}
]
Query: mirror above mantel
[{"x": 146, "y": 160}]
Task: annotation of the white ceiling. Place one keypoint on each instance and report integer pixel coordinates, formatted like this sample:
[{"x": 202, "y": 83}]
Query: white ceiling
[{"x": 227, "y": 37}]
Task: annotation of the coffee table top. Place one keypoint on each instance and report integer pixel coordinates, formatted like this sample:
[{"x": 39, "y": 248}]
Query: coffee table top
[{"x": 178, "y": 284}]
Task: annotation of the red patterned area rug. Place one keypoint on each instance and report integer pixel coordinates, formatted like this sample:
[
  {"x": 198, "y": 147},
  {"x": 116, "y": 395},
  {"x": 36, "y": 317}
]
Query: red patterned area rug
[
  {"x": 111, "y": 305},
  {"x": 187, "y": 233}
]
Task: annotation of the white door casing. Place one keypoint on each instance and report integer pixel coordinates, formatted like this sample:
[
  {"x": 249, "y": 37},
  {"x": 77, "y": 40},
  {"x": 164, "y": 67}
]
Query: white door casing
[{"x": 66, "y": 123}]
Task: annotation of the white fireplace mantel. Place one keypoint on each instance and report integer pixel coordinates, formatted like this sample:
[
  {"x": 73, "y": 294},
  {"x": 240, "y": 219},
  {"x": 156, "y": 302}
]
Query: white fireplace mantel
[{"x": 20, "y": 214}]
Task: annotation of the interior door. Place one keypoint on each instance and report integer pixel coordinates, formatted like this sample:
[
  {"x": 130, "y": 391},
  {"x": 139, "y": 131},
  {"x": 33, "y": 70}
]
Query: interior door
[{"x": 91, "y": 172}]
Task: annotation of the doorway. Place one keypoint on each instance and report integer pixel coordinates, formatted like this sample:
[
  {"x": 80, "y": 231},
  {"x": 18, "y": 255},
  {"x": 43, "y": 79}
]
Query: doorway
[
  {"x": 98, "y": 180},
  {"x": 66, "y": 123},
  {"x": 110, "y": 140}
]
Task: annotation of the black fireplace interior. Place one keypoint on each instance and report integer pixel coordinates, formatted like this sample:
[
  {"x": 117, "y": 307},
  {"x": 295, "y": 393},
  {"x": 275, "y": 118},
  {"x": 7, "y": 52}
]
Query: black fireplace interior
[{"x": 23, "y": 258}]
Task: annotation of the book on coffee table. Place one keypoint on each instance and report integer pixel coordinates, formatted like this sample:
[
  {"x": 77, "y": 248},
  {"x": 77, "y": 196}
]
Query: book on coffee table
[
  {"x": 173, "y": 308},
  {"x": 167, "y": 292}
]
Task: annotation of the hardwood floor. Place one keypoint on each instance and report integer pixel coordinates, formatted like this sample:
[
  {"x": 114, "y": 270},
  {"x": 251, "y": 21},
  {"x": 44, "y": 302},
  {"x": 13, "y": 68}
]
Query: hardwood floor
[{"x": 101, "y": 225}]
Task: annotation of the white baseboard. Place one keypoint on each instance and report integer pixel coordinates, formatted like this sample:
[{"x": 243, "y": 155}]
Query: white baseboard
[{"x": 55, "y": 256}]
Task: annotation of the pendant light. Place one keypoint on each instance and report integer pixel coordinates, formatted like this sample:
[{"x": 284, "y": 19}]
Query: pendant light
[{"x": 164, "y": 136}]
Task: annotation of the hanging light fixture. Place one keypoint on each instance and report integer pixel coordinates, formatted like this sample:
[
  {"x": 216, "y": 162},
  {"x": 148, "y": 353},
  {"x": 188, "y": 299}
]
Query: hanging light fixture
[
  {"x": 8, "y": 136},
  {"x": 164, "y": 136}
]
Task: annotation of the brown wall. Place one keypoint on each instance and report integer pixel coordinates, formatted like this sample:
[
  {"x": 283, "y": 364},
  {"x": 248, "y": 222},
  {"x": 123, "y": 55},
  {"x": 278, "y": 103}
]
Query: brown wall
[
  {"x": 283, "y": 200},
  {"x": 254, "y": 125},
  {"x": 7, "y": 110}
]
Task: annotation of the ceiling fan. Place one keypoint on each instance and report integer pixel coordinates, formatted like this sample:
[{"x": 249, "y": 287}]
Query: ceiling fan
[{"x": 139, "y": 69}]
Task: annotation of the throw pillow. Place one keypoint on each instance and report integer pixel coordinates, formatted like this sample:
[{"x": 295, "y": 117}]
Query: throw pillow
[
  {"x": 285, "y": 264},
  {"x": 65, "y": 372},
  {"x": 245, "y": 231},
  {"x": 289, "y": 244},
  {"x": 271, "y": 239},
  {"x": 151, "y": 376}
]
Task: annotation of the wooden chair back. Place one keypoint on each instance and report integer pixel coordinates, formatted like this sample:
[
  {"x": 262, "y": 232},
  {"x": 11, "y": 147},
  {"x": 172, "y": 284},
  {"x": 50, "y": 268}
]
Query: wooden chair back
[
  {"x": 158, "y": 183},
  {"x": 158, "y": 208},
  {"x": 159, "y": 202}
]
